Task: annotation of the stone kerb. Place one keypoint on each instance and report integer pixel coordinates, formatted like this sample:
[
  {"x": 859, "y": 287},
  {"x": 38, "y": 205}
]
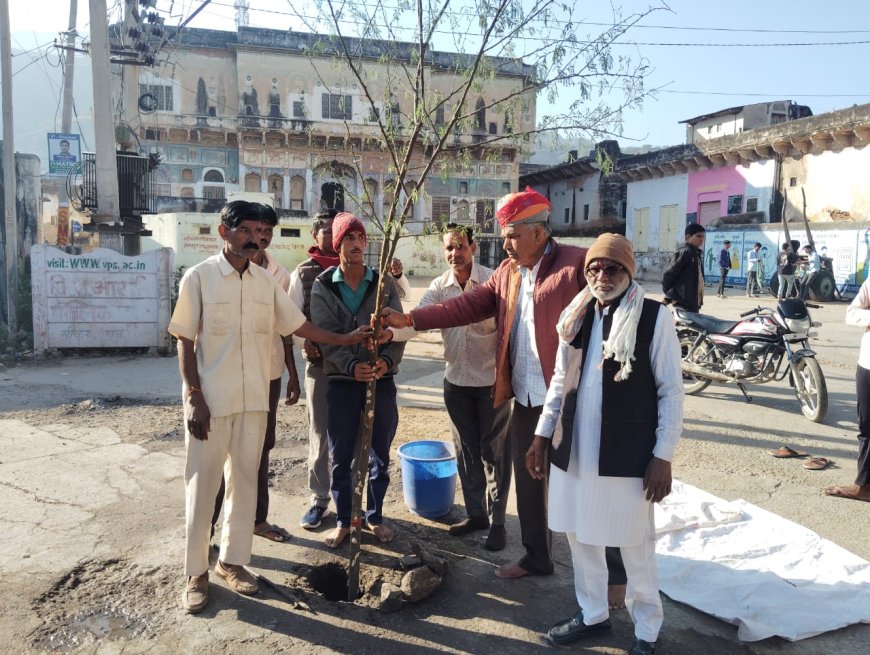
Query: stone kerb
[{"x": 101, "y": 299}]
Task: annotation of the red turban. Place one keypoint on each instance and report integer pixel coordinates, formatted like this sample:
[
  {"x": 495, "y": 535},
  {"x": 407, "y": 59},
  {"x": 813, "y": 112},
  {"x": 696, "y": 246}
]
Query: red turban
[
  {"x": 345, "y": 222},
  {"x": 525, "y": 206}
]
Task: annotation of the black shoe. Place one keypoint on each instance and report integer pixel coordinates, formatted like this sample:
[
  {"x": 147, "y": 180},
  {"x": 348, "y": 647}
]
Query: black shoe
[
  {"x": 470, "y": 524},
  {"x": 496, "y": 539},
  {"x": 642, "y": 647},
  {"x": 569, "y": 630}
]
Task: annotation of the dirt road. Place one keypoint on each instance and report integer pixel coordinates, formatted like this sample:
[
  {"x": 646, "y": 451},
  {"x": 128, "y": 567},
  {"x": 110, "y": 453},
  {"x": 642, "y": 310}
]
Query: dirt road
[{"x": 91, "y": 461}]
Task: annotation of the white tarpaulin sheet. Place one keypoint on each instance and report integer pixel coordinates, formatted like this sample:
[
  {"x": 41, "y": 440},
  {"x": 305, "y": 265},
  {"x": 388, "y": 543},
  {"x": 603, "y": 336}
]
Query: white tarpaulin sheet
[{"x": 757, "y": 570}]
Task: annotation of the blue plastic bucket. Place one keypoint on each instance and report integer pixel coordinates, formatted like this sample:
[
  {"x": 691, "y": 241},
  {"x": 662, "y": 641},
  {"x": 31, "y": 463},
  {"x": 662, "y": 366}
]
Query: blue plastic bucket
[{"x": 428, "y": 477}]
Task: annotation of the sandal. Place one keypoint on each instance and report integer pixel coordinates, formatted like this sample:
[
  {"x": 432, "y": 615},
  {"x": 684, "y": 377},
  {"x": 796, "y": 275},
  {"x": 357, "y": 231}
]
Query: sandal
[
  {"x": 785, "y": 451},
  {"x": 817, "y": 463},
  {"x": 272, "y": 532}
]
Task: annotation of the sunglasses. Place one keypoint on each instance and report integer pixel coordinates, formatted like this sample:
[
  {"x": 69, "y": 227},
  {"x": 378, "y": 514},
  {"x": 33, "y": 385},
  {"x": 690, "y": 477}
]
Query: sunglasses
[{"x": 609, "y": 271}]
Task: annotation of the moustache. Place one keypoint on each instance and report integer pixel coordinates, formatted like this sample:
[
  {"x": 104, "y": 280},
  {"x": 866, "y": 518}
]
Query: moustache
[{"x": 249, "y": 245}]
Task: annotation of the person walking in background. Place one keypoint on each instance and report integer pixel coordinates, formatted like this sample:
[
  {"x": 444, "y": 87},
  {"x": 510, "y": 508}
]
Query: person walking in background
[
  {"x": 724, "y": 267},
  {"x": 785, "y": 269},
  {"x": 320, "y": 257},
  {"x": 858, "y": 313},
  {"x": 753, "y": 262},
  {"x": 397, "y": 271},
  {"x": 814, "y": 265},
  {"x": 683, "y": 280}
]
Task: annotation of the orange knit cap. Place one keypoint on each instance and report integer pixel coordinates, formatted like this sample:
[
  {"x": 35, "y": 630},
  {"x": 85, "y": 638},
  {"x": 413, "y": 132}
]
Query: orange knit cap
[{"x": 525, "y": 206}]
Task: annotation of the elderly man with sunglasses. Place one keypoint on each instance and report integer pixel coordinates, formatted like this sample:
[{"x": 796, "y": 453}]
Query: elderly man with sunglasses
[{"x": 610, "y": 425}]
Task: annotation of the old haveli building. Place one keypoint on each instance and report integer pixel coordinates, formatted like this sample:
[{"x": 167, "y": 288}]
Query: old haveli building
[{"x": 257, "y": 110}]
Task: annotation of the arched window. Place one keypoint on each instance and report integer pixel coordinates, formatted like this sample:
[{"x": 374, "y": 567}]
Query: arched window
[
  {"x": 493, "y": 128},
  {"x": 297, "y": 192},
  {"x": 214, "y": 175},
  {"x": 253, "y": 182},
  {"x": 370, "y": 195},
  {"x": 276, "y": 188},
  {"x": 389, "y": 191},
  {"x": 463, "y": 215},
  {"x": 480, "y": 115},
  {"x": 187, "y": 192},
  {"x": 187, "y": 175}
]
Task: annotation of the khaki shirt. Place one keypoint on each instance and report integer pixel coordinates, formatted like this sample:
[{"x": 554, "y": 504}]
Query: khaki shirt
[
  {"x": 282, "y": 277},
  {"x": 232, "y": 320}
]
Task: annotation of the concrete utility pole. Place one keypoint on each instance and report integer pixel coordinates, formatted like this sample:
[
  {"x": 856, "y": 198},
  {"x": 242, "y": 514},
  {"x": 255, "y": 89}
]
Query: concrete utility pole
[
  {"x": 104, "y": 122},
  {"x": 69, "y": 69},
  {"x": 10, "y": 219}
]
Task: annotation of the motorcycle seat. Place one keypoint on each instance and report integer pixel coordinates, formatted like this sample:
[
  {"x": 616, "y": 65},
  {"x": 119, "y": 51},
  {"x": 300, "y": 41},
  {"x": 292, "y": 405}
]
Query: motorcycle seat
[{"x": 705, "y": 321}]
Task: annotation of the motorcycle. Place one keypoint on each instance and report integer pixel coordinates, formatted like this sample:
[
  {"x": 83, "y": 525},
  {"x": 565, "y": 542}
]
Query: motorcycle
[{"x": 753, "y": 351}]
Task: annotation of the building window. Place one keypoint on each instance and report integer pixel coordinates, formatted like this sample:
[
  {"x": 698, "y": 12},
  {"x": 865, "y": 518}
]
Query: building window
[
  {"x": 506, "y": 187},
  {"x": 792, "y": 181},
  {"x": 567, "y": 215},
  {"x": 463, "y": 215},
  {"x": 252, "y": 182},
  {"x": 396, "y": 114},
  {"x": 374, "y": 114},
  {"x": 463, "y": 187},
  {"x": 187, "y": 192},
  {"x": 439, "y": 115},
  {"x": 480, "y": 115},
  {"x": 585, "y": 212},
  {"x": 735, "y": 205},
  {"x": 440, "y": 210},
  {"x": 752, "y": 204},
  {"x": 370, "y": 189},
  {"x": 337, "y": 106},
  {"x": 187, "y": 175},
  {"x": 777, "y": 118},
  {"x": 153, "y": 135},
  {"x": 213, "y": 176},
  {"x": 162, "y": 93},
  {"x": 485, "y": 212},
  {"x": 291, "y": 232},
  {"x": 205, "y": 229},
  {"x": 297, "y": 192},
  {"x": 298, "y": 109}
]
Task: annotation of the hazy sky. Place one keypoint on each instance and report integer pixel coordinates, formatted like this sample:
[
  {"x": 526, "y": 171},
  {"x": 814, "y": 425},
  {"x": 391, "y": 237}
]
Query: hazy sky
[{"x": 725, "y": 71}]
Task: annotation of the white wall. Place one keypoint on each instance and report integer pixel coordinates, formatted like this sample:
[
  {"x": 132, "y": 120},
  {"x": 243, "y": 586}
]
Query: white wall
[
  {"x": 572, "y": 193},
  {"x": 101, "y": 299},
  {"x": 655, "y": 193},
  {"x": 835, "y": 180},
  {"x": 759, "y": 176}
]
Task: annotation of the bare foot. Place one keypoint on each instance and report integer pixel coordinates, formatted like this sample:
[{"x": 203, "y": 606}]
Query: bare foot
[
  {"x": 616, "y": 596},
  {"x": 852, "y": 492},
  {"x": 511, "y": 572},
  {"x": 337, "y": 537},
  {"x": 383, "y": 534}
]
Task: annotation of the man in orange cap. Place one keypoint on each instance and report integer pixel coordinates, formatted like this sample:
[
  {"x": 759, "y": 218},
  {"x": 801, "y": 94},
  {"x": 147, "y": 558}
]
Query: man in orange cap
[{"x": 526, "y": 294}]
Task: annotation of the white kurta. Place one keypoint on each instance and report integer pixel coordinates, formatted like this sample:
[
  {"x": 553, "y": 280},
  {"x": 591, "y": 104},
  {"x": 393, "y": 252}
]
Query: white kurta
[{"x": 609, "y": 511}]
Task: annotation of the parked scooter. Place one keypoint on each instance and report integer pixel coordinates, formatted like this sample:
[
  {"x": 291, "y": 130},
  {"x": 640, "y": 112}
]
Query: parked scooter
[{"x": 764, "y": 346}]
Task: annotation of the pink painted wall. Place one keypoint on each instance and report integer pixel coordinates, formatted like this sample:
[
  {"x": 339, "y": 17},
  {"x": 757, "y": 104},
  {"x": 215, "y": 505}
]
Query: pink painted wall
[{"x": 715, "y": 184}]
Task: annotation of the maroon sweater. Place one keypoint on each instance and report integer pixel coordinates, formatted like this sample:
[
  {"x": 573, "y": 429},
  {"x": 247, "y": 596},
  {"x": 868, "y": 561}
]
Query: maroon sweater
[{"x": 559, "y": 279}]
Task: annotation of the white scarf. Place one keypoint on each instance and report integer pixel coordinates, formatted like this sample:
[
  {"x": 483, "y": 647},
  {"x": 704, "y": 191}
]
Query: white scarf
[{"x": 623, "y": 332}]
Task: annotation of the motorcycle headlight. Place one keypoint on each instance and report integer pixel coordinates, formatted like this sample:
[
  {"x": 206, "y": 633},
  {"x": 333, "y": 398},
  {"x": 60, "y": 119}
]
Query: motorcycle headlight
[{"x": 798, "y": 324}]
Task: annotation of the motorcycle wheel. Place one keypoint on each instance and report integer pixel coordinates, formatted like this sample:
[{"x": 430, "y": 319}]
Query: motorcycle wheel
[
  {"x": 810, "y": 388},
  {"x": 703, "y": 354}
]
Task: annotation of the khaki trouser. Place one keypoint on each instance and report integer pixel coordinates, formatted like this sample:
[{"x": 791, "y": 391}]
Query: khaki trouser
[{"x": 231, "y": 452}]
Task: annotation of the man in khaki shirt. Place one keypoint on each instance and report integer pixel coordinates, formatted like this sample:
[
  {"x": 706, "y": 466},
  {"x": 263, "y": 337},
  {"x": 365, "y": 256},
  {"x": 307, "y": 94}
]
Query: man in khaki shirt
[{"x": 225, "y": 318}]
